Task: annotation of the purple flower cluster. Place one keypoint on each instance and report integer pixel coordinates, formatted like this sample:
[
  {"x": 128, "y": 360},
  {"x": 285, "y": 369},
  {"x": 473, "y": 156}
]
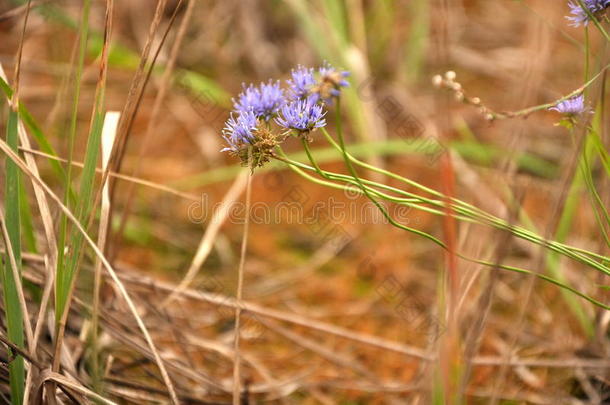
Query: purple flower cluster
[
  {"x": 300, "y": 110},
  {"x": 571, "y": 106},
  {"x": 579, "y": 16}
]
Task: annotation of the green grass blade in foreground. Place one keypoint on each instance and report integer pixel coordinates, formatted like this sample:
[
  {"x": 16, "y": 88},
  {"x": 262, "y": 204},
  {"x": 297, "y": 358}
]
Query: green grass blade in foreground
[
  {"x": 63, "y": 269},
  {"x": 85, "y": 202},
  {"x": 35, "y": 129},
  {"x": 14, "y": 315},
  {"x": 27, "y": 224}
]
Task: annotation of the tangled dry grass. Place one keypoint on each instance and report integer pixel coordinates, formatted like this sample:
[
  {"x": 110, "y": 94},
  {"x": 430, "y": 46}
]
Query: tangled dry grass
[{"x": 337, "y": 306}]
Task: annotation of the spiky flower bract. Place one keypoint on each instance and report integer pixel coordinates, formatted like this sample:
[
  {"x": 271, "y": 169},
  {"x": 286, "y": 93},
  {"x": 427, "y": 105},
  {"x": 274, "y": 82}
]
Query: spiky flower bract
[
  {"x": 302, "y": 116},
  {"x": 579, "y": 15},
  {"x": 264, "y": 100}
]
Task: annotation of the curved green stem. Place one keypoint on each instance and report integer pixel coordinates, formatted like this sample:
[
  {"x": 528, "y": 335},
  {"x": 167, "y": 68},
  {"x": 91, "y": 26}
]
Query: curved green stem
[
  {"x": 463, "y": 209},
  {"x": 301, "y": 168},
  {"x": 578, "y": 254},
  {"x": 369, "y": 192}
]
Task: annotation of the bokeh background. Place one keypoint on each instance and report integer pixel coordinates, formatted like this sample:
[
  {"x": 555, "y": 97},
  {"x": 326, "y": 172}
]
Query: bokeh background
[{"x": 333, "y": 260}]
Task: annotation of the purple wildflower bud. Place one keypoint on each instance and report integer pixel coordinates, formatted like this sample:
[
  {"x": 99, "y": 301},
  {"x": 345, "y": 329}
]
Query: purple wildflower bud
[
  {"x": 580, "y": 16},
  {"x": 264, "y": 100},
  {"x": 331, "y": 82},
  {"x": 329, "y": 73},
  {"x": 327, "y": 70},
  {"x": 301, "y": 82},
  {"x": 301, "y": 115},
  {"x": 571, "y": 106},
  {"x": 239, "y": 132}
]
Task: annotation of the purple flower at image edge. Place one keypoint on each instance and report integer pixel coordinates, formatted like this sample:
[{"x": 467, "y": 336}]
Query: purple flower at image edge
[
  {"x": 239, "y": 131},
  {"x": 571, "y": 106},
  {"x": 301, "y": 115},
  {"x": 579, "y": 16}
]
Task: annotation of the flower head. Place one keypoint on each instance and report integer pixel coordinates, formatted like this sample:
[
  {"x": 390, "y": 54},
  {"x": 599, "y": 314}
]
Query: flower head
[
  {"x": 302, "y": 116},
  {"x": 240, "y": 131},
  {"x": 264, "y": 100},
  {"x": 337, "y": 78},
  {"x": 301, "y": 82},
  {"x": 252, "y": 143},
  {"x": 331, "y": 82},
  {"x": 571, "y": 106},
  {"x": 579, "y": 14}
]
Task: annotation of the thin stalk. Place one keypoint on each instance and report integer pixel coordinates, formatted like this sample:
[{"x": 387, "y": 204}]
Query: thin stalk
[
  {"x": 60, "y": 287},
  {"x": 462, "y": 207},
  {"x": 239, "y": 294},
  {"x": 299, "y": 168},
  {"x": 466, "y": 215}
]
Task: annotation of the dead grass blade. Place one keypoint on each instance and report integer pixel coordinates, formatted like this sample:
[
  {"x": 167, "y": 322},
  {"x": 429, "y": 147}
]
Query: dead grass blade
[
  {"x": 205, "y": 245},
  {"x": 22, "y": 165},
  {"x": 222, "y": 300},
  {"x": 59, "y": 379},
  {"x": 156, "y": 109},
  {"x": 136, "y": 180},
  {"x": 108, "y": 136},
  {"x": 135, "y": 93}
]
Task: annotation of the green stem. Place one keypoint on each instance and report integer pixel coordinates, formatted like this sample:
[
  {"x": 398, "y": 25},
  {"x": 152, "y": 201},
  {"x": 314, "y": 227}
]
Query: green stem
[
  {"x": 300, "y": 169},
  {"x": 470, "y": 210},
  {"x": 594, "y": 19}
]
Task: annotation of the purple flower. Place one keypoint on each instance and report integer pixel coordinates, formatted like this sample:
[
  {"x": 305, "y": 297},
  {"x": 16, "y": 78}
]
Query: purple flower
[
  {"x": 329, "y": 73},
  {"x": 239, "y": 132},
  {"x": 264, "y": 101},
  {"x": 331, "y": 82},
  {"x": 301, "y": 82},
  {"x": 580, "y": 16},
  {"x": 571, "y": 106},
  {"x": 301, "y": 115}
]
